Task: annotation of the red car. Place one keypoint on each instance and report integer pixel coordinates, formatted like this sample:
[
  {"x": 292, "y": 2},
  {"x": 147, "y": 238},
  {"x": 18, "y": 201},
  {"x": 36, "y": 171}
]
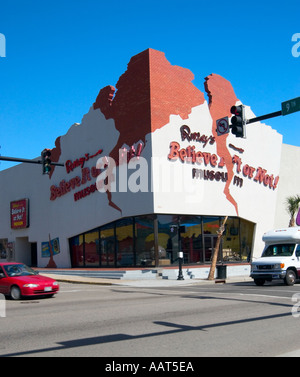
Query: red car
[{"x": 18, "y": 280}]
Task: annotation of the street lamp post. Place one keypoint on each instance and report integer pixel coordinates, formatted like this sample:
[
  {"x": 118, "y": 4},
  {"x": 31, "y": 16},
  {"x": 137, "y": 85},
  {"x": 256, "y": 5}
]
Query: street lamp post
[{"x": 180, "y": 260}]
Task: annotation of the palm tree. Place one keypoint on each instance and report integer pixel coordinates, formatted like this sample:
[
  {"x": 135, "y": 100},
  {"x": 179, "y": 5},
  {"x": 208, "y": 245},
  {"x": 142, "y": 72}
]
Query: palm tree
[{"x": 292, "y": 206}]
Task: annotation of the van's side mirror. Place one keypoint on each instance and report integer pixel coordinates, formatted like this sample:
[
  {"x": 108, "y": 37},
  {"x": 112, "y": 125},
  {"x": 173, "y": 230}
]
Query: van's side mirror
[
  {"x": 2, "y": 275},
  {"x": 297, "y": 253}
]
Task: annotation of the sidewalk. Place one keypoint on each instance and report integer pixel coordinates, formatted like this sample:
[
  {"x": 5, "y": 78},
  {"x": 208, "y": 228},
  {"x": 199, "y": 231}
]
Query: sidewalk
[
  {"x": 150, "y": 277},
  {"x": 158, "y": 282}
]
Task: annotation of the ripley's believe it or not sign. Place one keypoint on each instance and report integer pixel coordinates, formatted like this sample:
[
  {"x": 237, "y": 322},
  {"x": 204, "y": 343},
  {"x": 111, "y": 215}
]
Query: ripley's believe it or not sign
[
  {"x": 87, "y": 173},
  {"x": 19, "y": 214},
  {"x": 194, "y": 156},
  {"x": 189, "y": 155}
]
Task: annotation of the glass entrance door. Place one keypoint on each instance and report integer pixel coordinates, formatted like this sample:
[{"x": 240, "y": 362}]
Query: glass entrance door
[
  {"x": 107, "y": 246},
  {"x": 108, "y": 252},
  {"x": 209, "y": 246}
]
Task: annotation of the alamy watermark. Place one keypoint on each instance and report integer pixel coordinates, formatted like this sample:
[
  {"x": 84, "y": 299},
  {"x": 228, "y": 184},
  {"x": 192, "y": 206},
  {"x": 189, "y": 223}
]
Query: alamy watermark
[
  {"x": 2, "y": 46},
  {"x": 2, "y": 306},
  {"x": 135, "y": 176},
  {"x": 294, "y": 311},
  {"x": 296, "y": 46}
]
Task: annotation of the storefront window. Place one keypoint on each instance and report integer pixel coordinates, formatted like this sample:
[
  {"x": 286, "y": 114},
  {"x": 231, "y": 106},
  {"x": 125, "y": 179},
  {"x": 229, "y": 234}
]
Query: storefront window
[
  {"x": 91, "y": 249},
  {"x": 124, "y": 242},
  {"x": 76, "y": 248},
  {"x": 168, "y": 239},
  {"x": 107, "y": 245},
  {"x": 3, "y": 248},
  {"x": 231, "y": 240},
  {"x": 191, "y": 239},
  {"x": 237, "y": 240},
  {"x": 133, "y": 241},
  {"x": 247, "y": 233},
  {"x": 210, "y": 227},
  {"x": 144, "y": 240}
]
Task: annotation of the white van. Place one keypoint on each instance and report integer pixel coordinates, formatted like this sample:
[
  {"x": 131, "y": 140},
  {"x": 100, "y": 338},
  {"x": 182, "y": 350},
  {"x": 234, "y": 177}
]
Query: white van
[{"x": 280, "y": 258}]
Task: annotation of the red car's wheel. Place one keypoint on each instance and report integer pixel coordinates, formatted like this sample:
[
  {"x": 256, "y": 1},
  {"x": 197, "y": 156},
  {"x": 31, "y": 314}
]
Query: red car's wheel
[{"x": 15, "y": 292}]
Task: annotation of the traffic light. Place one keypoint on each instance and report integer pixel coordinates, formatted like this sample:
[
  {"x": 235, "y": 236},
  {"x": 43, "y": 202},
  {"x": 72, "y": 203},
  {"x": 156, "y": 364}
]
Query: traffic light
[
  {"x": 46, "y": 161},
  {"x": 238, "y": 121}
]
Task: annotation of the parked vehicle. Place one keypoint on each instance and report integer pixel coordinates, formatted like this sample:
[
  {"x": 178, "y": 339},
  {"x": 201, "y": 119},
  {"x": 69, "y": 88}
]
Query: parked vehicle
[
  {"x": 280, "y": 258},
  {"x": 18, "y": 280}
]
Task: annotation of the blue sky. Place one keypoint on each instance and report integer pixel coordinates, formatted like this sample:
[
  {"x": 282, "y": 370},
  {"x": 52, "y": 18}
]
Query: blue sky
[{"x": 60, "y": 53}]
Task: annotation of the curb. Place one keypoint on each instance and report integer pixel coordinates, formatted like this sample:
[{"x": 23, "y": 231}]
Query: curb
[{"x": 79, "y": 279}]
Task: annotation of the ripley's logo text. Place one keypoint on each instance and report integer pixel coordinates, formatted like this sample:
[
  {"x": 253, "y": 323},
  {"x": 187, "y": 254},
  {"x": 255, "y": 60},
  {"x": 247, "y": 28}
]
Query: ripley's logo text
[
  {"x": 2, "y": 46},
  {"x": 296, "y": 46}
]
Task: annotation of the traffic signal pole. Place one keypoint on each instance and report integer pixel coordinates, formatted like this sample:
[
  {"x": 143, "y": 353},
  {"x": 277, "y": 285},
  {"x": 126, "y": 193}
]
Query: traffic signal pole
[
  {"x": 239, "y": 121},
  {"x": 15, "y": 159},
  {"x": 262, "y": 117}
]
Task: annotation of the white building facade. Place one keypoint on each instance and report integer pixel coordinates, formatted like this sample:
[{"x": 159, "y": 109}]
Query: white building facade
[{"x": 146, "y": 175}]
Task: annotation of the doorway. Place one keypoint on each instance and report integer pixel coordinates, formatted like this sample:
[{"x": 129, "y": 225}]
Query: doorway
[
  {"x": 23, "y": 250},
  {"x": 33, "y": 254},
  {"x": 210, "y": 241},
  {"x": 108, "y": 252}
]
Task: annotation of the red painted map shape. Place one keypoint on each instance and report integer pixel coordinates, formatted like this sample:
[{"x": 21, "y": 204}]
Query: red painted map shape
[{"x": 147, "y": 94}]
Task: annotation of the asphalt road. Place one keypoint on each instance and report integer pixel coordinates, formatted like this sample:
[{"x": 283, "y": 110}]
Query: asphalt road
[{"x": 186, "y": 321}]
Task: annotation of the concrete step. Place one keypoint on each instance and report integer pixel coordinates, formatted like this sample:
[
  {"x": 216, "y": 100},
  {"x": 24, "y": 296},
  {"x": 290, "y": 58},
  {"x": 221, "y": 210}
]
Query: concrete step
[{"x": 93, "y": 274}]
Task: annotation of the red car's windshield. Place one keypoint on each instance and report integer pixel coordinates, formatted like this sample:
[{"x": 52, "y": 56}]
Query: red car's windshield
[{"x": 18, "y": 270}]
